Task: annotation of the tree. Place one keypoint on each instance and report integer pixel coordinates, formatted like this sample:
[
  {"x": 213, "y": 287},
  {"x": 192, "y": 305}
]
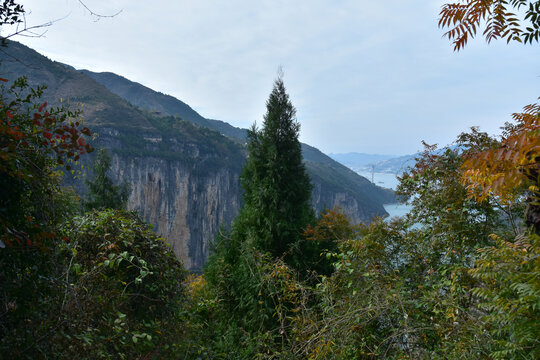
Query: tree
[
  {"x": 277, "y": 188},
  {"x": 506, "y": 173},
  {"x": 250, "y": 269},
  {"x": 501, "y": 19},
  {"x": 13, "y": 14},
  {"x": 34, "y": 141},
  {"x": 102, "y": 193}
]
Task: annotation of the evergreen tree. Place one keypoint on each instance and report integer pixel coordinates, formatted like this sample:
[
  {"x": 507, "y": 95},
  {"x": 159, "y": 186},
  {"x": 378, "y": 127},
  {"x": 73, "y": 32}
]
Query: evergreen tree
[
  {"x": 102, "y": 193},
  {"x": 277, "y": 188}
]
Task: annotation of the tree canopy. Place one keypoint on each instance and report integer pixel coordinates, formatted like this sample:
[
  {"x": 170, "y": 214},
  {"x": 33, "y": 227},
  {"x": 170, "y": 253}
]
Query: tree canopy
[{"x": 277, "y": 188}]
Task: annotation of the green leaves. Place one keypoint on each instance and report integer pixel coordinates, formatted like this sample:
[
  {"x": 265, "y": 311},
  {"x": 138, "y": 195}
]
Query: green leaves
[{"x": 102, "y": 192}]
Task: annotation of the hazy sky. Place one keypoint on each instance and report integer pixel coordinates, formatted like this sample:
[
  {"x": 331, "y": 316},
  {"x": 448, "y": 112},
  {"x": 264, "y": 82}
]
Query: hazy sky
[{"x": 365, "y": 76}]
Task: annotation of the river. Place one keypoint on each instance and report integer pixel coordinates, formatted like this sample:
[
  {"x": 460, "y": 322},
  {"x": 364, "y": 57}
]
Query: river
[{"x": 388, "y": 181}]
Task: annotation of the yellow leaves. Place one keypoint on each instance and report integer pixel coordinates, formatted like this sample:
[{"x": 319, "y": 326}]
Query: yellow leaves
[{"x": 502, "y": 171}]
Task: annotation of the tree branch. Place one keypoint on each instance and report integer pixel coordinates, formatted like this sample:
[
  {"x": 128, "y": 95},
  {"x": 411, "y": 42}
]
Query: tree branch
[{"x": 96, "y": 14}]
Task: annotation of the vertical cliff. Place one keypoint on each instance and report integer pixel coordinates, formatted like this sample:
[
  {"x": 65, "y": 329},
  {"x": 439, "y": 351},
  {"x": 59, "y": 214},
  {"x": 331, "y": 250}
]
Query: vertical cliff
[
  {"x": 185, "y": 208},
  {"x": 184, "y": 181}
]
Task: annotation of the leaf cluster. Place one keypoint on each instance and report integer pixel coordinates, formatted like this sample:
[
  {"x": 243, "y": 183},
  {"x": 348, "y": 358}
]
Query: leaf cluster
[{"x": 500, "y": 19}]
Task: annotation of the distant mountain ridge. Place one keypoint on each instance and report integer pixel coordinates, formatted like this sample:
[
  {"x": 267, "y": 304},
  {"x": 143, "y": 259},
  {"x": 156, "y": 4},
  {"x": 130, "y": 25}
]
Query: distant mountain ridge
[
  {"x": 359, "y": 160},
  {"x": 366, "y": 163},
  {"x": 386, "y": 164}
]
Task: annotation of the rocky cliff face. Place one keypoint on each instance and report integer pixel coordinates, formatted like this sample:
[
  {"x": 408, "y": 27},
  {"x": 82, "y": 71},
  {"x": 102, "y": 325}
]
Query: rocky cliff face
[
  {"x": 184, "y": 208},
  {"x": 187, "y": 192}
]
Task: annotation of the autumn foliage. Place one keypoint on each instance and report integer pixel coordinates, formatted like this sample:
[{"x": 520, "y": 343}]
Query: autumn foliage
[
  {"x": 514, "y": 165},
  {"x": 500, "y": 18}
]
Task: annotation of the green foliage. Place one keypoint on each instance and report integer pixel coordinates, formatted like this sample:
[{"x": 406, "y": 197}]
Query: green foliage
[
  {"x": 34, "y": 139},
  {"x": 102, "y": 193},
  {"x": 124, "y": 289},
  {"x": 510, "y": 294},
  {"x": 103, "y": 286},
  {"x": 250, "y": 269},
  {"x": 277, "y": 189},
  {"x": 441, "y": 204},
  {"x": 116, "y": 293},
  {"x": 403, "y": 289}
]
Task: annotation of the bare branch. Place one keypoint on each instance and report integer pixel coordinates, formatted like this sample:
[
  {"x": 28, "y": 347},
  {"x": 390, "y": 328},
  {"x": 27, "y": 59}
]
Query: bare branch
[{"x": 96, "y": 14}]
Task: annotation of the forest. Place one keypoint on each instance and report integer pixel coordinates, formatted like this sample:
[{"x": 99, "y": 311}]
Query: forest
[{"x": 457, "y": 278}]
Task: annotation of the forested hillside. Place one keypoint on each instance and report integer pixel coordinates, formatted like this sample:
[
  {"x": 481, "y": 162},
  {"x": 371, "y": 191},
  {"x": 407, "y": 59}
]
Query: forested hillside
[{"x": 82, "y": 278}]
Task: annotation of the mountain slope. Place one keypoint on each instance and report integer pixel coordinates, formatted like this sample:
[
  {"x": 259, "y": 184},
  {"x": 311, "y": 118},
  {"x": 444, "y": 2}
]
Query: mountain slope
[
  {"x": 184, "y": 175},
  {"x": 330, "y": 173},
  {"x": 159, "y": 103}
]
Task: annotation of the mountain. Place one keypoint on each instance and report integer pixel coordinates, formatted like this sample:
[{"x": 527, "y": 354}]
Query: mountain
[
  {"x": 394, "y": 166},
  {"x": 160, "y": 104},
  {"x": 359, "y": 160},
  {"x": 330, "y": 176},
  {"x": 184, "y": 169}
]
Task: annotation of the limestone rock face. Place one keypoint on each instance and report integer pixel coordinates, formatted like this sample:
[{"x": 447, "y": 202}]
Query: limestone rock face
[
  {"x": 182, "y": 196},
  {"x": 185, "y": 209}
]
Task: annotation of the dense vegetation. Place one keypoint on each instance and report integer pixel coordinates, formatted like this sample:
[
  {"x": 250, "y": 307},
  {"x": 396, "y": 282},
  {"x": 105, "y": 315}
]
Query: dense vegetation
[{"x": 457, "y": 278}]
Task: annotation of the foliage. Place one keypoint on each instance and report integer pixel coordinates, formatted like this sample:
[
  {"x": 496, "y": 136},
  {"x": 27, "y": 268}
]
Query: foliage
[
  {"x": 504, "y": 172},
  {"x": 389, "y": 298},
  {"x": 501, "y": 19},
  {"x": 511, "y": 295},
  {"x": 123, "y": 295},
  {"x": 441, "y": 202},
  {"x": 34, "y": 139},
  {"x": 332, "y": 227},
  {"x": 277, "y": 189},
  {"x": 11, "y": 13},
  {"x": 117, "y": 293},
  {"x": 102, "y": 193},
  {"x": 403, "y": 289},
  {"x": 250, "y": 271},
  {"x": 102, "y": 287}
]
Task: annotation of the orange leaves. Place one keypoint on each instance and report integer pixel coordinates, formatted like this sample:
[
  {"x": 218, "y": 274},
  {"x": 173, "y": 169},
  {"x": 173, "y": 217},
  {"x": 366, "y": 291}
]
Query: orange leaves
[
  {"x": 504, "y": 170},
  {"x": 332, "y": 226},
  {"x": 464, "y": 17}
]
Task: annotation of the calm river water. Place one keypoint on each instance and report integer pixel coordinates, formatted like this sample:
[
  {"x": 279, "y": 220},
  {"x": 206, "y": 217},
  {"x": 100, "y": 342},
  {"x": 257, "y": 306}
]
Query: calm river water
[{"x": 388, "y": 181}]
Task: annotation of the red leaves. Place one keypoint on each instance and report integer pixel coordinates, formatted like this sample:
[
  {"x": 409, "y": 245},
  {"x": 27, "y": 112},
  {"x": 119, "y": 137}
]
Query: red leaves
[
  {"x": 42, "y": 106},
  {"x": 48, "y": 135}
]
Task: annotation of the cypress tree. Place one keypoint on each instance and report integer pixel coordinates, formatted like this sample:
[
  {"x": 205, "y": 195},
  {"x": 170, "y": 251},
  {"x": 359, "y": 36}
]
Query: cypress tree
[
  {"x": 102, "y": 193},
  {"x": 277, "y": 188}
]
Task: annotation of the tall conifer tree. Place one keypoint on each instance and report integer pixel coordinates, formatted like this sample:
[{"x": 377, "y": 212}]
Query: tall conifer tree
[{"x": 277, "y": 188}]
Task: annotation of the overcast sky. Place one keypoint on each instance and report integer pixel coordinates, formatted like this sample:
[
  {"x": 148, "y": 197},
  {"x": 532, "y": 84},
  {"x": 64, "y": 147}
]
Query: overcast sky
[{"x": 365, "y": 76}]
